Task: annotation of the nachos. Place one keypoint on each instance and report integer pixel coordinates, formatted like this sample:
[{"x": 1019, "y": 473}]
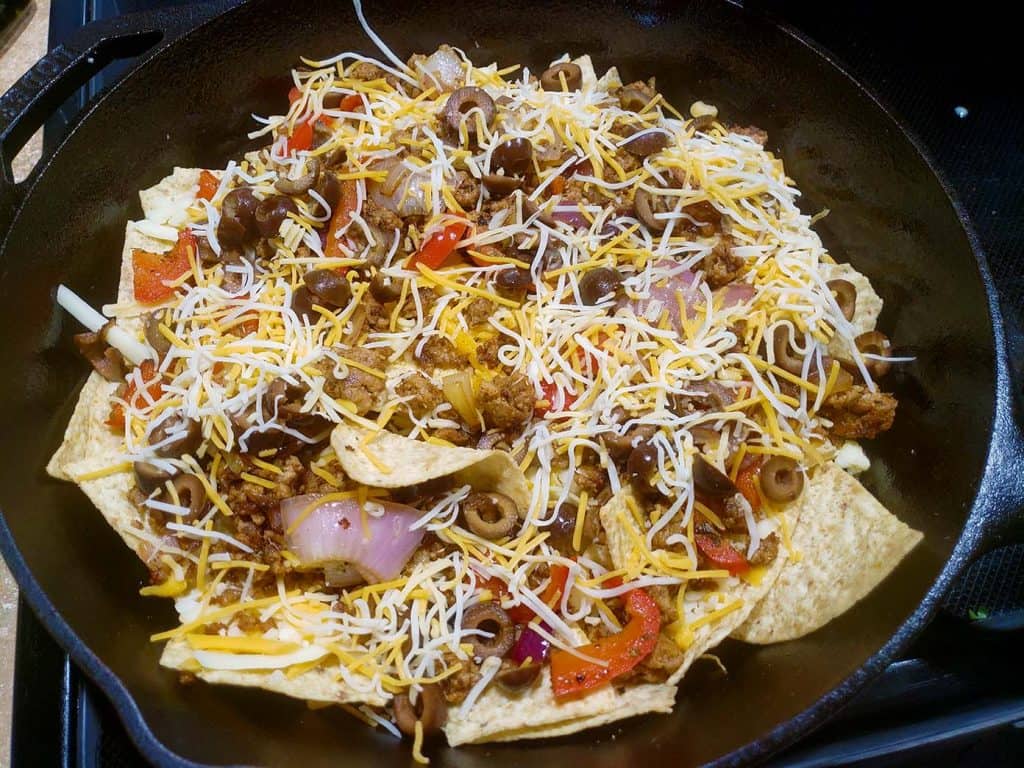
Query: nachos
[{"x": 484, "y": 400}]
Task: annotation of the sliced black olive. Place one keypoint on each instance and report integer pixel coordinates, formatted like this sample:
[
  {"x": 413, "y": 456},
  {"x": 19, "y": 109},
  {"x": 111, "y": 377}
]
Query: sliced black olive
[
  {"x": 646, "y": 206},
  {"x": 149, "y": 477},
  {"x": 191, "y": 493},
  {"x": 302, "y": 304},
  {"x": 785, "y": 357},
  {"x": 461, "y": 102},
  {"x": 642, "y": 461},
  {"x": 500, "y": 186},
  {"x": 304, "y": 183},
  {"x": 257, "y": 441},
  {"x": 846, "y": 296},
  {"x": 329, "y": 188},
  {"x": 237, "y": 217},
  {"x": 490, "y": 515},
  {"x": 563, "y": 527},
  {"x": 105, "y": 360},
  {"x": 328, "y": 286},
  {"x": 710, "y": 481},
  {"x": 620, "y": 446},
  {"x": 188, "y": 441},
  {"x": 781, "y": 480},
  {"x": 633, "y": 99},
  {"x": 284, "y": 391},
  {"x": 647, "y": 143},
  {"x": 430, "y": 710},
  {"x": 514, "y": 157},
  {"x": 385, "y": 289},
  {"x": 156, "y": 340},
  {"x": 514, "y": 282},
  {"x": 874, "y": 343},
  {"x": 489, "y": 617},
  {"x": 598, "y": 283},
  {"x": 518, "y": 678},
  {"x": 551, "y": 79},
  {"x": 271, "y": 213},
  {"x": 205, "y": 251}
]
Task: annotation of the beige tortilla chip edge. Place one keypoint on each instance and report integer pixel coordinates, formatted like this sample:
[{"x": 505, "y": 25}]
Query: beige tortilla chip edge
[
  {"x": 386, "y": 460},
  {"x": 847, "y": 544},
  {"x": 313, "y": 685},
  {"x": 534, "y": 714}
]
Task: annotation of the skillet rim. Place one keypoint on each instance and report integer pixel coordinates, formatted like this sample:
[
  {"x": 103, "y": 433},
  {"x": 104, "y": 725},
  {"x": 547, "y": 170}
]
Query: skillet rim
[{"x": 968, "y": 544}]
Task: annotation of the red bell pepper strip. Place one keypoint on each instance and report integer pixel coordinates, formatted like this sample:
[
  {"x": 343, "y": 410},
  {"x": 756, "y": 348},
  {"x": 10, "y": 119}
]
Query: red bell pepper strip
[
  {"x": 350, "y": 103},
  {"x": 208, "y": 184},
  {"x": 551, "y": 596},
  {"x": 746, "y": 482},
  {"x": 571, "y": 675},
  {"x": 153, "y": 270},
  {"x": 301, "y": 138},
  {"x": 132, "y": 395},
  {"x": 348, "y": 201},
  {"x": 439, "y": 246},
  {"x": 721, "y": 554}
]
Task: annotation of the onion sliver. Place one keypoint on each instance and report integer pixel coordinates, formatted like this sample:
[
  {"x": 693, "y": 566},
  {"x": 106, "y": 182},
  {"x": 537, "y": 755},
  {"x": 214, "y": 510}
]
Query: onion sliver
[{"x": 377, "y": 542}]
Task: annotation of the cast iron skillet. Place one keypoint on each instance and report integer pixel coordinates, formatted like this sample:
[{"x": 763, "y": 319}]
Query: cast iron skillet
[{"x": 952, "y": 466}]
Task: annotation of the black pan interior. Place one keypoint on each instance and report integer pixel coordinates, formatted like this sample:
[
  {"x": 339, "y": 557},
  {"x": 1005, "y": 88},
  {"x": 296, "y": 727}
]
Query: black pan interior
[{"x": 191, "y": 105}]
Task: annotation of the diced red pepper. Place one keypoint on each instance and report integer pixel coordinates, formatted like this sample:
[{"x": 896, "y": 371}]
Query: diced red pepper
[
  {"x": 153, "y": 270},
  {"x": 351, "y": 103},
  {"x": 439, "y": 246},
  {"x": 132, "y": 396},
  {"x": 208, "y": 184},
  {"x": 571, "y": 675},
  {"x": 520, "y": 614},
  {"x": 348, "y": 201},
  {"x": 301, "y": 138},
  {"x": 550, "y": 390},
  {"x": 746, "y": 481},
  {"x": 721, "y": 554},
  {"x": 293, "y": 94},
  {"x": 552, "y": 594}
]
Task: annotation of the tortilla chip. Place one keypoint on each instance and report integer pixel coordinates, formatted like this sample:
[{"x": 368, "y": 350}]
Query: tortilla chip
[
  {"x": 319, "y": 684},
  {"x": 621, "y": 550},
  {"x": 847, "y": 544},
  {"x": 78, "y": 437},
  {"x": 90, "y": 447},
  {"x": 167, "y": 201},
  {"x": 399, "y": 462},
  {"x": 165, "y": 207},
  {"x": 501, "y": 716},
  {"x": 865, "y": 316}
]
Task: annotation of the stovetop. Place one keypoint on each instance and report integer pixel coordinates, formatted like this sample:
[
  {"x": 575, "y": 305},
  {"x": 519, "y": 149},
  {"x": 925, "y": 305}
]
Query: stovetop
[{"x": 957, "y": 697}]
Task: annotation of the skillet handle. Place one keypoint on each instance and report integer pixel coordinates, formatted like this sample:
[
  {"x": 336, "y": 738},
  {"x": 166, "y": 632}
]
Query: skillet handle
[
  {"x": 1001, "y": 495},
  {"x": 68, "y": 67}
]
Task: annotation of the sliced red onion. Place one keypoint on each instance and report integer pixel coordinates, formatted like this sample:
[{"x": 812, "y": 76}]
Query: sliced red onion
[
  {"x": 531, "y": 644},
  {"x": 735, "y": 293},
  {"x": 684, "y": 281},
  {"x": 402, "y": 190},
  {"x": 333, "y": 532},
  {"x": 573, "y": 218},
  {"x": 442, "y": 70}
]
